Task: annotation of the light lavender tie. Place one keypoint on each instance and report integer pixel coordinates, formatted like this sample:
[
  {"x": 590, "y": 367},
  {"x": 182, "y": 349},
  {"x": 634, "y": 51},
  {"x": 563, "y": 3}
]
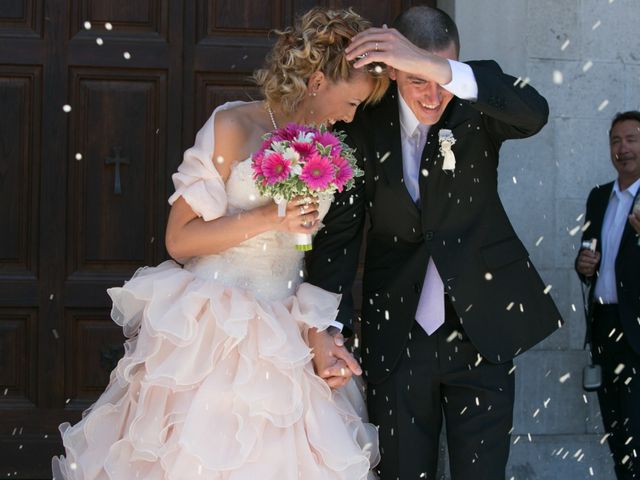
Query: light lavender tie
[{"x": 430, "y": 312}]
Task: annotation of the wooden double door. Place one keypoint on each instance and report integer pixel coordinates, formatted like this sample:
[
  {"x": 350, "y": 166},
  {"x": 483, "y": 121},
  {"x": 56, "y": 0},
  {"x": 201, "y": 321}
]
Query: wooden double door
[{"x": 98, "y": 101}]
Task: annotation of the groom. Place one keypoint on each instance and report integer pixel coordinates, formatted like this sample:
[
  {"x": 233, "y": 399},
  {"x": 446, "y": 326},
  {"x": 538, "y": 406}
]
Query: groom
[{"x": 450, "y": 295}]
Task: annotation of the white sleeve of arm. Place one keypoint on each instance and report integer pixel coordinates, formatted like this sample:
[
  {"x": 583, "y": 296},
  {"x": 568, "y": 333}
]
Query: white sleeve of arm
[
  {"x": 337, "y": 325},
  {"x": 463, "y": 82}
]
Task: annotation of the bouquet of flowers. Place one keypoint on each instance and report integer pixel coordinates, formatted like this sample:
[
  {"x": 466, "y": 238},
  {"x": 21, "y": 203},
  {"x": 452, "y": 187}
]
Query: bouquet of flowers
[{"x": 300, "y": 160}]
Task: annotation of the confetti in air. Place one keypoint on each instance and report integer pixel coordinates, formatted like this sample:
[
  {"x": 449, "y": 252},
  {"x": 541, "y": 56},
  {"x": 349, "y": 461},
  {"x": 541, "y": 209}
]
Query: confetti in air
[
  {"x": 558, "y": 78},
  {"x": 108, "y": 26},
  {"x": 603, "y": 105},
  {"x": 565, "y": 377},
  {"x": 87, "y": 25},
  {"x": 66, "y": 108},
  {"x": 565, "y": 45},
  {"x": 126, "y": 55},
  {"x": 596, "y": 25},
  {"x": 539, "y": 241},
  {"x": 587, "y": 66},
  {"x": 99, "y": 41},
  {"x": 78, "y": 156}
]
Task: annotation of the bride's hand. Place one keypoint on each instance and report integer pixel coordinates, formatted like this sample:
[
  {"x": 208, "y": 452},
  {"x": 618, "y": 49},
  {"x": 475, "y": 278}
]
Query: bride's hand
[
  {"x": 301, "y": 216},
  {"x": 331, "y": 359}
]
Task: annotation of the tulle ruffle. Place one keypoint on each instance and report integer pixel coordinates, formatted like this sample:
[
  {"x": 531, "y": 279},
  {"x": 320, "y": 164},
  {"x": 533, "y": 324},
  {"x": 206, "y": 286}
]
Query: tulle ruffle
[{"x": 217, "y": 384}]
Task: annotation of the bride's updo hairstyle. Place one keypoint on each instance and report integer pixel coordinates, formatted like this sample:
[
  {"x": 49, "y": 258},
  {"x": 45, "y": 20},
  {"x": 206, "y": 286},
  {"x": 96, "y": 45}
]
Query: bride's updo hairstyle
[{"x": 317, "y": 42}]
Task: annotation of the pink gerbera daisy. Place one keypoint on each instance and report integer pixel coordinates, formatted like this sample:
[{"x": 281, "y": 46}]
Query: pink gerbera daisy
[
  {"x": 303, "y": 148},
  {"x": 344, "y": 172},
  {"x": 256, "y": 163},
  {"x": 275, "y": 168},
  {"x": 327, "y": 139},
  {"x": 318, "y": 172}
]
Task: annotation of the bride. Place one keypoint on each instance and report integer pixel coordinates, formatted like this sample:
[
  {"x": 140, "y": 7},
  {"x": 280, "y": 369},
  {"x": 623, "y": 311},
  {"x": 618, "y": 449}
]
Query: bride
[{"x": 217, "y": 380}]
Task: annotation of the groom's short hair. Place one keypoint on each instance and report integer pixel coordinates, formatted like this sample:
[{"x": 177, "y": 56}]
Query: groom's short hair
[{"x": 428, "y": 28}]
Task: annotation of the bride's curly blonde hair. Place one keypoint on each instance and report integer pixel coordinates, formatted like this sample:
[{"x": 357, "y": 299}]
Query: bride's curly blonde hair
[{"x": 317, "y": 42}]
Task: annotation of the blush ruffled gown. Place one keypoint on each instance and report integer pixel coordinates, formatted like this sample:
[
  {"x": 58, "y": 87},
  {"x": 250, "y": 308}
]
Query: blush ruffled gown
[{"x": 217, "y": 381}]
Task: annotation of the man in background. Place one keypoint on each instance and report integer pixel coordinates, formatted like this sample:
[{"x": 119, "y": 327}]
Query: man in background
[{"x": 612, "y": 271}]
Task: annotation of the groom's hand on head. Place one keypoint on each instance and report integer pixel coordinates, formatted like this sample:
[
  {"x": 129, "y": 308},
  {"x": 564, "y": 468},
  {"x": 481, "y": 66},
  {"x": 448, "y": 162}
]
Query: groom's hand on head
[{"x": 389, "y": 47}]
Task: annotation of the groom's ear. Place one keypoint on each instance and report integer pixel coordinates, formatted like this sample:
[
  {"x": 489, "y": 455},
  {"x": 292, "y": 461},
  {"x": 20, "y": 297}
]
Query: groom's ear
[{"x": 392, "y": 72}]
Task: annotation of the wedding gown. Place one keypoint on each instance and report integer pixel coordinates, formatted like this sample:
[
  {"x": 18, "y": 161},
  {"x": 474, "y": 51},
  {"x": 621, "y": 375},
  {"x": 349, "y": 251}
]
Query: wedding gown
[{"x": 216, "y": 381}]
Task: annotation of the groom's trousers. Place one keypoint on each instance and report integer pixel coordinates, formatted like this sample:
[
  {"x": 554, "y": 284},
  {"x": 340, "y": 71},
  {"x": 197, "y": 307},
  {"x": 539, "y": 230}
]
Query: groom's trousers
[{"x": 443, "y": 374}]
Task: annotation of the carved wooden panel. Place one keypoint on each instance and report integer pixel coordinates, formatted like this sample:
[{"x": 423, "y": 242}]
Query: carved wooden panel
[
  {"x": 21, "y": 18},
  {"x": 377, "y": 12},
  {"x": 20, "y": 89},
  {"x": 126, "y": 18},
  {"x": 215, "y": 89},
  {"x": 94, "y": 344},
  {"x": 116, "y": 168},
  {"x": 18, "y": 357},
  {"x": 238, "y": 17}
]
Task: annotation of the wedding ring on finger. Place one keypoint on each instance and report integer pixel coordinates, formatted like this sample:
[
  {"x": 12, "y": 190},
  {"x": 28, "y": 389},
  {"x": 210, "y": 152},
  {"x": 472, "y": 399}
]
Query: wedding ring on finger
[{"x": 376, "y": 49}]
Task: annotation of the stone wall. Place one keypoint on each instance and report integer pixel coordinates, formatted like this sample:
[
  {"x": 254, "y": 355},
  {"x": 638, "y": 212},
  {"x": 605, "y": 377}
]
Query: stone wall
[{"x": 584, "y": 57}]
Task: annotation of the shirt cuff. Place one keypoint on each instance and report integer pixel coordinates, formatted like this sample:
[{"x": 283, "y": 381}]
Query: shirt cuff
[
  {"x": 337, "y": 325},
  {"x": 463, "y": 82}
]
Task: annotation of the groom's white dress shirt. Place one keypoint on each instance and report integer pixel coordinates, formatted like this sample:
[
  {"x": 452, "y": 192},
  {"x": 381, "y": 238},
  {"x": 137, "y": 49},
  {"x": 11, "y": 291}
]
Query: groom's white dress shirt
[{"x": 430, "y": 311}]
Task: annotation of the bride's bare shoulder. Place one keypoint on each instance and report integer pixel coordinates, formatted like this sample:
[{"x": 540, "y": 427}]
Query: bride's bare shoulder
[
  {"x": 240, "y": 122},
  {"x": 236, "y": 133}
]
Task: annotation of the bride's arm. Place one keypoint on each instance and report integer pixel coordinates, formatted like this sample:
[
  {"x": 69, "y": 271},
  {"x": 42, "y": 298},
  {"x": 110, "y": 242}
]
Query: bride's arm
[{"x": 189, "y": 235}]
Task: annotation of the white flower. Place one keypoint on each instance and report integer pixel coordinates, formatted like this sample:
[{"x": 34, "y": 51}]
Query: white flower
[
  {"x": 291, "y": 155},
  {"x": 447, "y": 140},
  {"x": 279, "y": 147}
]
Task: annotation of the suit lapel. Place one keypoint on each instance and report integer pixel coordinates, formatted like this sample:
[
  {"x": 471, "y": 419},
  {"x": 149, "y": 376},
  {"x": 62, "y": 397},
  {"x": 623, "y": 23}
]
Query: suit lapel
[
  {"x": 600, "y": 208},
  {"x": 628, "y": 234},
  {"x": 388, "y": 146},
  {"x": 430, "y": 163}
]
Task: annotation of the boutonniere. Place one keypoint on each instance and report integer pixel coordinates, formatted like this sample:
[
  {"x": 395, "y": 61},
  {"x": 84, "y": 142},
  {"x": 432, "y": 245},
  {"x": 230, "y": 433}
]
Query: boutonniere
[{"x": 446, "y": 139}]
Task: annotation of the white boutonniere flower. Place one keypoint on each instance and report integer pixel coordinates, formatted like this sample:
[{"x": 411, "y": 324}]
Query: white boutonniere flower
[{"x": 446, "y": 139}]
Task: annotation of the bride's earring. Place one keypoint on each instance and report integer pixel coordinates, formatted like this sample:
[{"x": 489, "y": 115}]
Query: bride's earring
[{"x": 312, "y": 94}]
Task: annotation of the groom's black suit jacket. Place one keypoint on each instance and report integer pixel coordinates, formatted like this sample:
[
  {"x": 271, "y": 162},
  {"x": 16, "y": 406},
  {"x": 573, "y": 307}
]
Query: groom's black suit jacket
[
  {"x": 459, "y": 221},
  {"x": 627, "y": 264}
]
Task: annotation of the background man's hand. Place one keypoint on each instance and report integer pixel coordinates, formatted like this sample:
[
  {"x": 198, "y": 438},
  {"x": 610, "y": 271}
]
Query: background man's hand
[
  {"x": 587, "y": 262},
  {"x": 634, "y": 219}
]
